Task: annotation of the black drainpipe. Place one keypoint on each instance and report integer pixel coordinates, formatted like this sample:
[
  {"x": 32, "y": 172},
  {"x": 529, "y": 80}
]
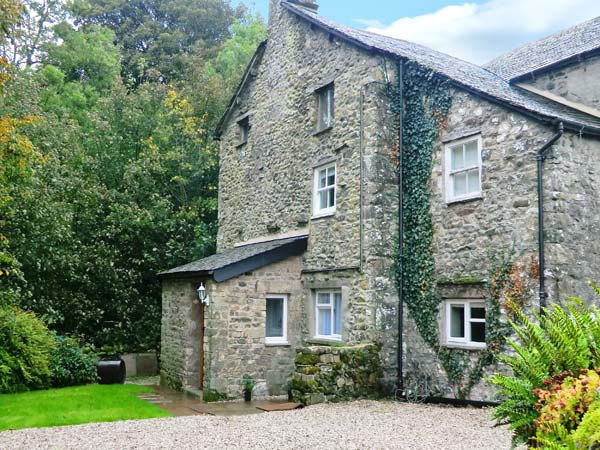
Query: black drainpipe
[
  {"x": 541, "y": 156},
  {"x": 400, "y": 99}
]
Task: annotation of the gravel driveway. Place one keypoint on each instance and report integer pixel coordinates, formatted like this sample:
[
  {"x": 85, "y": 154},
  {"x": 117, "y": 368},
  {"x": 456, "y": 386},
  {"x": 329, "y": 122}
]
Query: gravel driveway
[{"x": 358, "y": 425}]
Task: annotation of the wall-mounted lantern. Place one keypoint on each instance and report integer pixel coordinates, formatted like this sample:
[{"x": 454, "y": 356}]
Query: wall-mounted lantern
[{"x": 204, "y": 298}]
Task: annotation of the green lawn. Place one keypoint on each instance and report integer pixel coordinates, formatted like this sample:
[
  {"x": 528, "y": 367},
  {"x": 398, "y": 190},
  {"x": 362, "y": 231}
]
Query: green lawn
[{"x": 73, "y": 405}]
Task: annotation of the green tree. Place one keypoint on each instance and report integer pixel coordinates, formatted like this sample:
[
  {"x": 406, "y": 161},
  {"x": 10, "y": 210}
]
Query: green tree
[
  {"x": 158, "y": 36},
  {"x": 79, "y": 70},
  {"x": 33, "y": 30}
]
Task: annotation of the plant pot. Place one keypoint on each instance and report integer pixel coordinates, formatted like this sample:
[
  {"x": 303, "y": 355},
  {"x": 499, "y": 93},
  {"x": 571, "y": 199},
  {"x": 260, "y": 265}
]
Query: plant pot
[{"x": 247, "y": 395}]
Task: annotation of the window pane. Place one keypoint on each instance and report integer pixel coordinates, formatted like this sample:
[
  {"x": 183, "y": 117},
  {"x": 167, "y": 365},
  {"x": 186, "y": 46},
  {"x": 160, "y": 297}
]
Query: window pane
[
  {"x": 323, "y": 298},
  {"x": 456, "y": 157},
  {"x": 324, "y": 321},
  {"x": 337, "y": 311},
  {"x": 274, "y": 317},
  {"x": 478, "y": 332},
  {"x": 331, "y": 176},
  {"x": 460, "y": 184},
  {"x": 477, "y": 312},
  {"x": 457, "y": 321},
  {"x": 331, "y": 202},
  {"x": 322, "y": 178},
  {"x": 473, "y": 180},
  {"x": 323, "y": 199},
  {"x": 330, "y": 106},
  {"x": 471, "y": 154}
]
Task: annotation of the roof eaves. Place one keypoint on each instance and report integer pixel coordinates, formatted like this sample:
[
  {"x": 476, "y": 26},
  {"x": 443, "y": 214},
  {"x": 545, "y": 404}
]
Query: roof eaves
[
  {"x": 547, "y": 118},
  {"x": 578, "y": 57},
  {"x": 245, "y": 77}
]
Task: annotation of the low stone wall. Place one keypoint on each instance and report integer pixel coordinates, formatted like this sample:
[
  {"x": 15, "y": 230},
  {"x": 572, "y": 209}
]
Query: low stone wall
[{"x": 330, "y": 374}]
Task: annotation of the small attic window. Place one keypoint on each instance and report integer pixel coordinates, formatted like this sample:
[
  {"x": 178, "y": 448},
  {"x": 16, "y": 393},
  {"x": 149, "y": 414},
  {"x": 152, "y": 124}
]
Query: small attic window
[
  {"x": 325, "y": 96},
  {"x": 243, "y": 130}
]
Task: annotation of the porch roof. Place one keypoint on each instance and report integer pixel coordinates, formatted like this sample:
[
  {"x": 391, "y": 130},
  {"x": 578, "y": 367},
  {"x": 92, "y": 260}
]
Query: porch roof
[{"x": 236, "y": 261}]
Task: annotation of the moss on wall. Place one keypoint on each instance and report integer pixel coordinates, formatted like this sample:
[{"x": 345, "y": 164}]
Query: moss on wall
[{"x": 331, "y": 374}]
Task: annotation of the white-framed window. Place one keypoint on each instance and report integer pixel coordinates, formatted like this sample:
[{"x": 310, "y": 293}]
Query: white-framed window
[
  {"x": 324, "y": 190},
  {"x": 243, "y": 130},
  {"x": 325, "y": 103},
  {"x": 276, "y": 319},
  {"x": 328, "y": 314},
  {"x": 465, "y": 323},
  {"x": 463, "y": 169}
]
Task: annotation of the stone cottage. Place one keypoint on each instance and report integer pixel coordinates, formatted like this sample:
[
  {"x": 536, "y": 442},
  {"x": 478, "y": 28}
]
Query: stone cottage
[{"x": 338, "y": 138}]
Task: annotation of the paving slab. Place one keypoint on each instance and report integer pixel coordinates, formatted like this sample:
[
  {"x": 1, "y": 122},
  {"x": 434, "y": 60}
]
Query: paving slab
[{"x": 181, "y": 404}]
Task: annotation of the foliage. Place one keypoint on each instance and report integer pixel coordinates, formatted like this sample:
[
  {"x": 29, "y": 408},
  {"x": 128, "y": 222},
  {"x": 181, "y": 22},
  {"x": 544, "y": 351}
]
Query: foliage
[
  {"x": 106, "y": 181},
  {"x": 25, "y": 349},
  {"x": 248, "y": 382},
  {"x": 10, "y": 12},
  {"x": 32, "y": 32},
  {"x": 564, "y": 340},
  {"x": 563, "y": 405},
  {"x": 161, "y": 39},
  {"x": 76, "y": 405},
  {"x": 69, "y": 365}
]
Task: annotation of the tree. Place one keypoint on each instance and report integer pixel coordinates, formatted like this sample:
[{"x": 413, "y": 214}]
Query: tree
[
  {"x": 34, "y": 30},
  {"x": 158, "y": 36}
]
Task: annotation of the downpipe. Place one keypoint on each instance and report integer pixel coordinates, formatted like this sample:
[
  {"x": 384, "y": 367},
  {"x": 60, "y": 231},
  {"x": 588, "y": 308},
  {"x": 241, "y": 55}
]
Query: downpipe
[{"x": 541, "y": 156}]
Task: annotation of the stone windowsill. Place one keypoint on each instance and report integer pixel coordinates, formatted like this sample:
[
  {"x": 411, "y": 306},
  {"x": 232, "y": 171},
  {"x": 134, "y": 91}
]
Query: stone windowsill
[
  {"x": 277, "y": 344},
  {"x": 323, "y": 131},
  {"x": 323, "y": 216},
  {"x": 465, "y": 347},
  {"x": 464, "y": 200}
]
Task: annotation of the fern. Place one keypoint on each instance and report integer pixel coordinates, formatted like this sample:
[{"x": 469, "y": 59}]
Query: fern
[{"x": 560, "y": 339}]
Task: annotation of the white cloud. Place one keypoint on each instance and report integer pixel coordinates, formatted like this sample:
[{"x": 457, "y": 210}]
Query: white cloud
[{"x": 479, "y": 33}]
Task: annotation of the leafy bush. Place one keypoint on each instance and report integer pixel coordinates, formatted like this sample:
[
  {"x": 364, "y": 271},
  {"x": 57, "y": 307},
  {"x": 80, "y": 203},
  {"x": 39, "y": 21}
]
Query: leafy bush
[
  {"x": 563, "y": 406},
  {"x": 70, "y": 366},
  {"x": 25, "y": 349},
  {"x": 563, "y": 340}
]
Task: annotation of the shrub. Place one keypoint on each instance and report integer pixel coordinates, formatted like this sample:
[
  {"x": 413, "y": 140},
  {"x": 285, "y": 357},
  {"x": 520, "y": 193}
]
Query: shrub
[
  {"x": 25, "y": 349},
  {"x": 563, "y": 406},
  {"x": 563, "y": 340},
  {"x": 70, "y": 366}
]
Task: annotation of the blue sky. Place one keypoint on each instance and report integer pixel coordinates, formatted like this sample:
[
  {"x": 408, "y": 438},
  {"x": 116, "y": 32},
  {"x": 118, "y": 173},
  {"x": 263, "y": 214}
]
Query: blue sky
[
  {"x": 477, "y": 30},
  {"x": 351, "y": 12}
]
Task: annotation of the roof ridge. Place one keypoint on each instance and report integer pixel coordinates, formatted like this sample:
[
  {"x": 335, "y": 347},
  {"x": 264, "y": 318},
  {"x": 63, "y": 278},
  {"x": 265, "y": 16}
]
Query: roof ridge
[
  {"x": 466, "y": 75},
  {"x": 547, "y": 51}
]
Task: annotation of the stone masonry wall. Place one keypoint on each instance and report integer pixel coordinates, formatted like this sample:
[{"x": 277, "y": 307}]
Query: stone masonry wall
[
  {"x": 468, "y": 235},
  {"x": 235, "y": 331},
  {"x": 180, "y": 334},
  {"x": 579, "y": 82},
  {"x": 572, "y": 209},
  {"x": 266, "y": 185},
  {"x": 337, "y": 373}
]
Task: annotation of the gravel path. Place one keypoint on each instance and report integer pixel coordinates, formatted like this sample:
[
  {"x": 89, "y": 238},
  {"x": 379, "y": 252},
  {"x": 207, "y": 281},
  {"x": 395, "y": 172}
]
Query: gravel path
[{"x": 358, "y": 425}]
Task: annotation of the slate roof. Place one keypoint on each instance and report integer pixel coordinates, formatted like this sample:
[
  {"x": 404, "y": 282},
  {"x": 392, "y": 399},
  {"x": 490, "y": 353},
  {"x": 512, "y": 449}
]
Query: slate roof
[
  {"x": 465, "y": 74},
  {"x": 556, "y": 48},
  {"x": 241, "y": 259}
]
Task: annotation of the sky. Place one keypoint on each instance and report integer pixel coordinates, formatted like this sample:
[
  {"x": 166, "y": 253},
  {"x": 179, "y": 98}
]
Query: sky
[{"x": 476, "y": 31}]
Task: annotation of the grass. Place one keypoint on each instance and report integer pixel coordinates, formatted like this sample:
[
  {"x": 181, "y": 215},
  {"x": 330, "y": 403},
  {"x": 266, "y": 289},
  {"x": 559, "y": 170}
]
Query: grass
[{"x": 75, "y": 405}]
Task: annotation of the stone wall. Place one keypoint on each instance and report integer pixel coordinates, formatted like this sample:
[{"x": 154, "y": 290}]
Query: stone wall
[
  {"x": 578, "y": 82},
  {"x": 235, "y": 331},
  {"x": 330, "y": 374},
  {"x": 273, "y": 172},
  {"x": 180, "y": 334},
  {"x": 572, "y": 210}
]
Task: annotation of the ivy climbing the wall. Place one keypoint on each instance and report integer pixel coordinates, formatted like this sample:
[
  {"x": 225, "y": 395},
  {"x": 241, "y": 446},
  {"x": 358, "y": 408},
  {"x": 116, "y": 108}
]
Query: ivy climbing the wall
[{"x": 424, "y": 103}]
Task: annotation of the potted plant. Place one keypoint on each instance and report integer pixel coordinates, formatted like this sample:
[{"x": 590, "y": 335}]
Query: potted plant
[{"x": 248, "y": 382}]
